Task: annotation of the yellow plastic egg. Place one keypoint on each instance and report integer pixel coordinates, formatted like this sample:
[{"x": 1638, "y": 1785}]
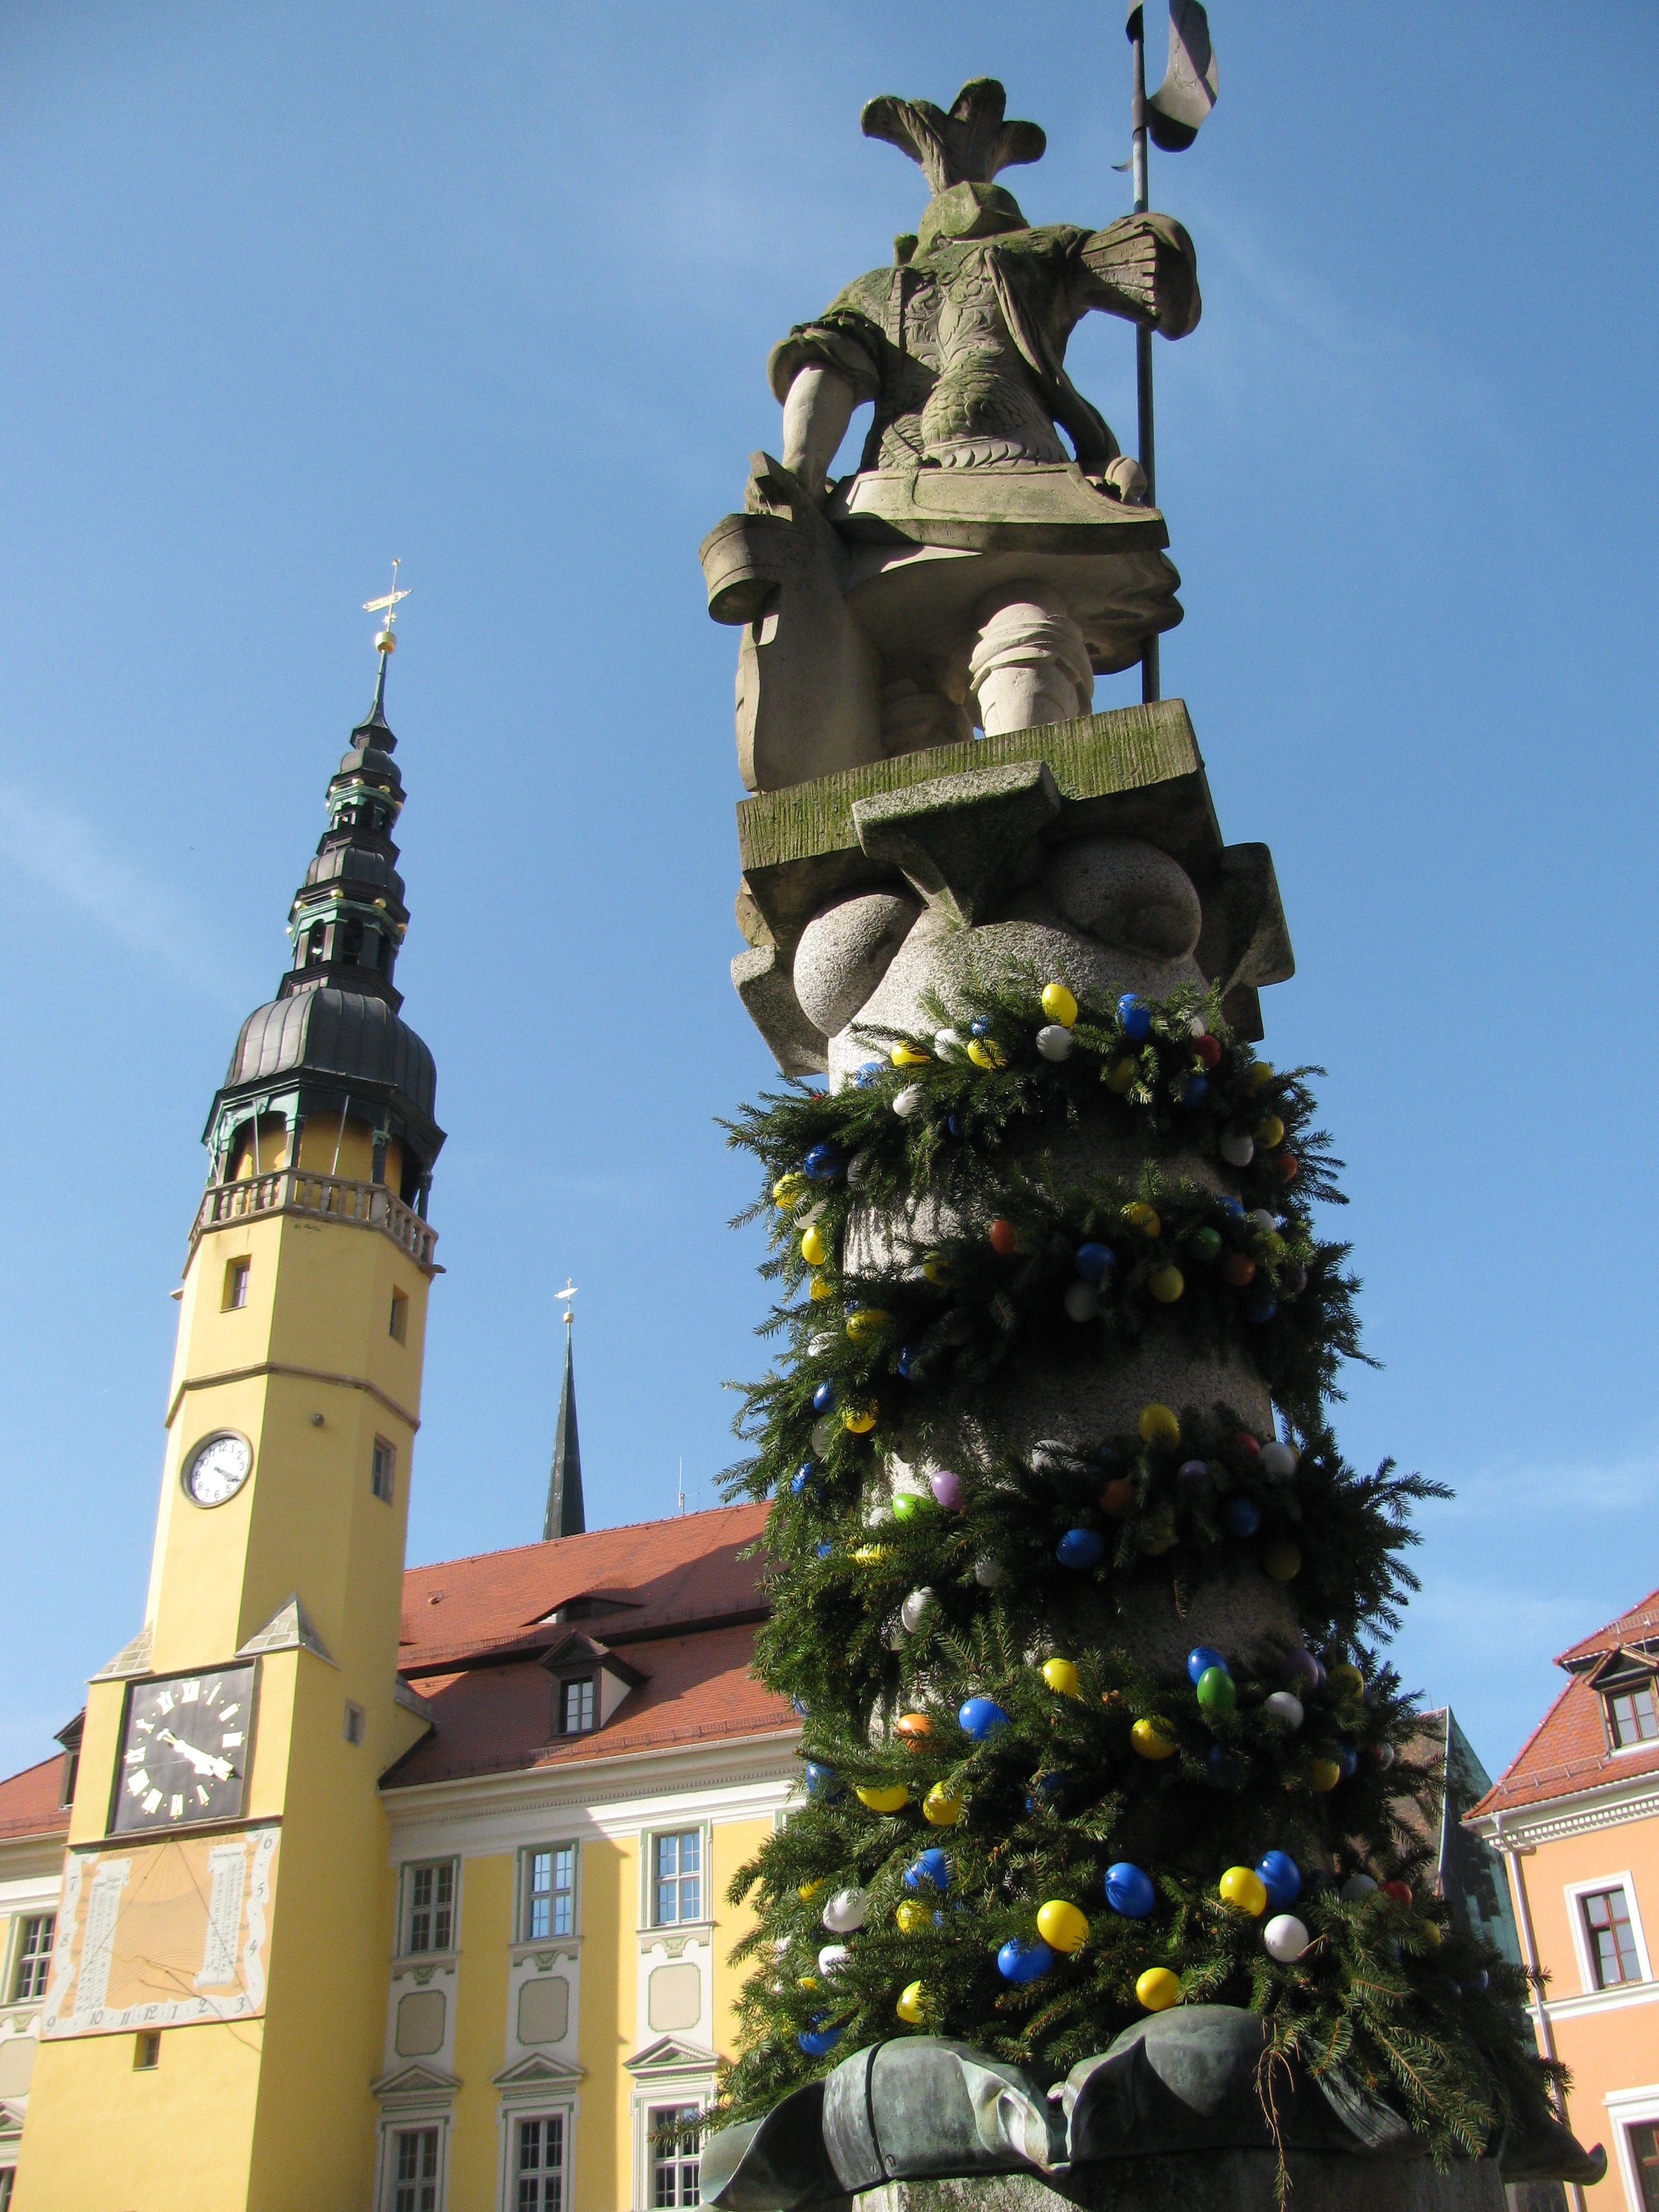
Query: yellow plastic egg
[
  {"x": 912, "y": 1918},
  {"x": 939, "y": 1809},
  {"x": 822, "y": 1288},
  {"x": 1061, "y": 1926},
  {"x": 1325, "y": 1774},
  {"x": 1154, "y": 1739},
  {"x": 808, "y": 1891},
  {"x": 1143, "y": 1218},
  {"x": 807, "y": 1982},
  {"x": 1159, "y": 1425},
  {"x": 1430, "y": 1932},
  {"x": 867, "y": 1321},
  {"x": 786, "y": 1190},
  {"x": 1156, "y": 1537},
  {"x": 1282, "y": 1560},
  {"x": 909, "y": 2007},
  {"x": 1348, "y": 1679},
  {"x": 906, "y": 1056},
  {"x": 1157, "y": 1989},
  {"x": 1244, "y": 1887},
  {"x": 1167, "y": 1285},
  {"x": 812, "y": 1247},
  {"x": 986, "y": 1052},
  {"x": 861, "y": 1420},
  {"x": 1260, "y": 1075},
  {"x": 936, "y": 1267},
  {"x": 870, "y": 1555},
  {"x": 1271, "y": 1132},
  {"x": 890, "y": 1800},
  {"x": 1058, "y": 1005},
  {"x": 1060, "y": 1675},
  {"x": 1121, "y": 1075}
]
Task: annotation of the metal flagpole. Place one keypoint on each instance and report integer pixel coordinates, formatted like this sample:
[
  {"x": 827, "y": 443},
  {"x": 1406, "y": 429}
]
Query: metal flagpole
[{"x": 1148, "y": 457}]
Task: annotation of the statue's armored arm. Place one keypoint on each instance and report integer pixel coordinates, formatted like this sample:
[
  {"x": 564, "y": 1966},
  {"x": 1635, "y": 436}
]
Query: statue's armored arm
[{"x": 1144, "y": 268}]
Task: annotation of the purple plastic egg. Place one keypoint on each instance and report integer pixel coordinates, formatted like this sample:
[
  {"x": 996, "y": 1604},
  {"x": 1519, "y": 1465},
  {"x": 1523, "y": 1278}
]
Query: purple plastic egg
[{"x": 947, "y": 1489}]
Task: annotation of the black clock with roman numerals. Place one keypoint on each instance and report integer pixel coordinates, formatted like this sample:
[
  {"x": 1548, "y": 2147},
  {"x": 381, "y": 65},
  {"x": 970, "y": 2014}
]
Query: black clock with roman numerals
[{"x": 185, "y": 1750}]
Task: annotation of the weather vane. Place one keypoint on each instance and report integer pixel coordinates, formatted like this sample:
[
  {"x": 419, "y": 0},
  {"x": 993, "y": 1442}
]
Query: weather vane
[
  {"x": 566, "y": 1294},
  {"x": 387, "y": 639}
]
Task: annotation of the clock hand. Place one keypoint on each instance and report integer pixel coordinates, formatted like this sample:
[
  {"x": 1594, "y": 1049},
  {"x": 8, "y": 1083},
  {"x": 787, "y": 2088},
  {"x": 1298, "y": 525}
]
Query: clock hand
[{"x": 203, "y": 1761}]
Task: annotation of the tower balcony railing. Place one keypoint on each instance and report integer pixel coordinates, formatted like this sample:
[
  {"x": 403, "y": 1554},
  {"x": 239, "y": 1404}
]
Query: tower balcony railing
[{"x": 319, "y": 1197}]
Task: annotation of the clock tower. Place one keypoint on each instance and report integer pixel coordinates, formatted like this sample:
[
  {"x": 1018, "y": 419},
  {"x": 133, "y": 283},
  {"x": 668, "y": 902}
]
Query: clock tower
[{"x": 215, "y": 2008}]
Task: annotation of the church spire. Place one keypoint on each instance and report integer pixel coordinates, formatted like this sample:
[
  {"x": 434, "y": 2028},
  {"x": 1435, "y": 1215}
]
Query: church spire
[{"x": 565, "y": 1515}]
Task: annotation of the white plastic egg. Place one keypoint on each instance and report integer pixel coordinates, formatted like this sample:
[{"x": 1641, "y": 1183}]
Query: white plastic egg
[
  {"x": 1278, "y": 1461},
  {"x": 1283, "y": 1706},
  {"x": 1285, "y": 1938},
  {"x": 1054, "y": 1042},
  {"x": 1082, "y": 1301},
  {"x": 913, "y": 1607},
  {"x": 1238, "y": 1149},
  {"x": 908, "y": 1102},
  {"x": 847, "y": 1909}
]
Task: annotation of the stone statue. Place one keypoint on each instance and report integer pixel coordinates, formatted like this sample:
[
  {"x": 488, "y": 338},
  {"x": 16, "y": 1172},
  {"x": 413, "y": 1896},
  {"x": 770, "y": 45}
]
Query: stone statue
[{"x": 973, "y": 570}]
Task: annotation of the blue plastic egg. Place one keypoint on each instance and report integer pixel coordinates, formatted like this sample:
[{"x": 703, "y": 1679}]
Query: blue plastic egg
[
  {"x": 1231, "y": 1208},
  {"x": 1095, "y": 1262},
  {"x": 1129, "y": 1891},
  {"x": 871, "y": 1070},
  {"x": 1280, "y": 1876},
  {"x": 823, "y": 1163},
  {"x": 819, "y": 2042},
  {"x": 1024, "y": 1962},
  {"x": 802, "y": 1475},
  {"x": 931, "y": 1867},
  {"x": 1242, "y": 1516},
  {"x": 1348, "y": 1760},
  {"x": 1048, "y": 1791},
  {"x": 1224, "y": 1770},
  {"x": 1202, "y": 1660},
  {"x": 1195, "y": 1091},
  {"x": 823, "y": 1397},
  {"x": 1482, "y": 1980},
  {"x": 982, "y": 1717},
  {"x": 825, "y": 1550},
  {"x": 821, "y": 1782},
  {"x": 1137, "y": 1019},
  {"x": 1262, "y": 1310},
  {"x": 1080, "y": 1548},
  {"x": 953, "y": 1123}
]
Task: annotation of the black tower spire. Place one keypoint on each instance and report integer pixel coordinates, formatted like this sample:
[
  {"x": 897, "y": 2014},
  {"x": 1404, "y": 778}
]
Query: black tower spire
[
  {"x": 565, "y": 1517},
  {"x": 330, "y": 1046}
]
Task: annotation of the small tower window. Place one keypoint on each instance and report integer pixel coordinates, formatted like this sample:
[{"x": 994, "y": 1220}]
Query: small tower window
[
  {"x": 316, "y": 939},
  {"x": 399, "y": 1326},
  {"x": 236, "y": 1274},
  {"x": 382, "y": 1469},
  {"x": 356, "y": 1722},
  {"x": 146, "y": 2052},
  {"x": 578, "y": 1706},
  {"x": 351, "y": 949}
]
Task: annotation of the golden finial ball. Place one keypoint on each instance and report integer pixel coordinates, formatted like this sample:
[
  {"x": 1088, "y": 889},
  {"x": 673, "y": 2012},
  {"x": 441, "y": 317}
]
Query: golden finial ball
[{"x": 386, "y": 641}]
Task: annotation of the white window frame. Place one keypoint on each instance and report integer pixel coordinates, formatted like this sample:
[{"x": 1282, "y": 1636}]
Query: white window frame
[
  {"x": 13, "y": 1962},
  {"x": 1576, "y": 1892},
  {"x": 407, "y": 1874},
  {"x": 409, "y": 2123},
  {"x": 1650, "y": 1684},
  {"x": 704, "y": 1830},
  {"x": 562, "y": 2109},
  {"x": 662, "y": 2096},
  {"x": 590, "y": 1682},
  {"x": 526, "y": 1858},
  {"x": 1631, "y": 2108}
]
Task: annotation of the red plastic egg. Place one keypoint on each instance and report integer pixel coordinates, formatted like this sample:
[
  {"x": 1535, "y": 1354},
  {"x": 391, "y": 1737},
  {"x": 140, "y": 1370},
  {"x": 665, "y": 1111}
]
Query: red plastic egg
[
  {"x": 1005, "y": 1238},
  {"x": 1118, "y": 1497},
  {"x": 1238, "y": 1268},
  {"x": 1248, "y": 1444},
  {"x": 1288, "y": 1164},
  {"x": 1400, "y": 1891},
  {"x": 1208, "y": 1049}
]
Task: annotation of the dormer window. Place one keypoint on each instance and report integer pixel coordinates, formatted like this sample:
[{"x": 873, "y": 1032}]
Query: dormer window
[
  {"x": 579, "y": 1705},
  {"x": 1631, "y": 1716}
]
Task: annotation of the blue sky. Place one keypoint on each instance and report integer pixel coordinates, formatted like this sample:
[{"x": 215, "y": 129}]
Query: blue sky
[{"x": 287, "y": 289}]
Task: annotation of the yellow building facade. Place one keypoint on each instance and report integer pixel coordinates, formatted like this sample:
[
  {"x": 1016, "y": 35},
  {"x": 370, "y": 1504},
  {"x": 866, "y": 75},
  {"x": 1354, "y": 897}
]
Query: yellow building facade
[
  {"x": 1576, "y": 1818},
  {"x": 353, "y": 1888}
]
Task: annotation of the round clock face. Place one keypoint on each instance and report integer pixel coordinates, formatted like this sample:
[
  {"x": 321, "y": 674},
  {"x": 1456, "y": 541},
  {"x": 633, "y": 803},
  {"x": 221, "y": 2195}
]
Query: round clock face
[{"x": 217, "y": 1468}]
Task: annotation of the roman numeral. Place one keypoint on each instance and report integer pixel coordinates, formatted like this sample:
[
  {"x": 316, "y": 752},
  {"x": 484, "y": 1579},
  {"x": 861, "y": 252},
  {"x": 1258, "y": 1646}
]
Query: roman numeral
[{"x": 175, "y": 1807}]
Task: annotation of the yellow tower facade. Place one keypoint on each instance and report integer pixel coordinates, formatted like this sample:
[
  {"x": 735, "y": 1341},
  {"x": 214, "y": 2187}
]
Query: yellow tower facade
[{"x": 215, "y": 2012}]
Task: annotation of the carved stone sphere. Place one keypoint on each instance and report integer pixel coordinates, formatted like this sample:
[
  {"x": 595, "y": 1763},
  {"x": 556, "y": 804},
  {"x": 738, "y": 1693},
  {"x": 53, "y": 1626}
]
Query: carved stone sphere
[
  {"x": 1124, "y": 892},
  {"x": 845, "y": 951}
]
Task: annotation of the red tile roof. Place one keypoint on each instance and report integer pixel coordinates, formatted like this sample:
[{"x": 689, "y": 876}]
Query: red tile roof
[
  {"x": 673, "y": 1600},
  {"x": 670, "y": 1573},
  {"x": 28, "y": 1801},
  {"x": 1567, "y": 1753},
  {"x": 696, "y": 1689}
]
